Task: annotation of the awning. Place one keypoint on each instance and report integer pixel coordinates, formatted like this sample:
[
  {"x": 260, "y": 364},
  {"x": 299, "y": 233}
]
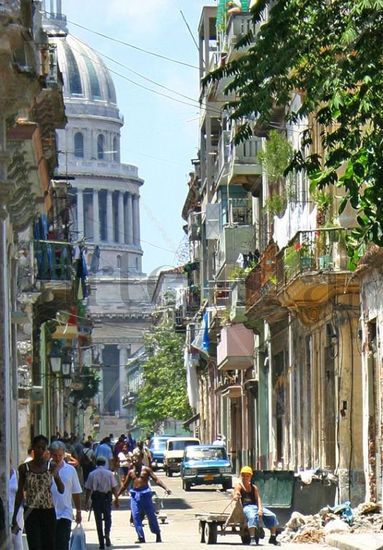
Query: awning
[{"x": 192, "y": 419}]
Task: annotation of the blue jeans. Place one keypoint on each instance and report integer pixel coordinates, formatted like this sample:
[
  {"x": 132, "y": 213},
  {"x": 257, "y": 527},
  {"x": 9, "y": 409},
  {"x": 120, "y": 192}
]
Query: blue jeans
[
  {"x": 252, "y": 516},
  {"x": 141, "y": 501}
]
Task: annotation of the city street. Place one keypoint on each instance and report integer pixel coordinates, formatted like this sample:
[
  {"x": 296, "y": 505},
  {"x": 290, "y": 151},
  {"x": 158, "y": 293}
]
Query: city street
[{"x": 181, "y": 528}]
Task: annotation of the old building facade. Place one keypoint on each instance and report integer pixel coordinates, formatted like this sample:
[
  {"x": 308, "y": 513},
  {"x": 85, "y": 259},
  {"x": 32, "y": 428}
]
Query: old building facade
[{"x": 285, "y": 368}]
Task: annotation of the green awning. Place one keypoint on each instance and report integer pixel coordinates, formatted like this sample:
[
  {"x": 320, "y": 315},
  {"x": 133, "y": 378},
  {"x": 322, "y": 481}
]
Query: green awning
[{"x": 222, "y": 7}]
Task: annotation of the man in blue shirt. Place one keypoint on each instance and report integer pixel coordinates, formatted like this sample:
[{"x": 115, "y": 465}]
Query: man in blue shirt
[{"x": 104, "y": 449}]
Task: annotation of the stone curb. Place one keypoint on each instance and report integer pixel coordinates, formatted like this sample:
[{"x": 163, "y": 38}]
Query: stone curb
[{"x": 365, "y": 541}]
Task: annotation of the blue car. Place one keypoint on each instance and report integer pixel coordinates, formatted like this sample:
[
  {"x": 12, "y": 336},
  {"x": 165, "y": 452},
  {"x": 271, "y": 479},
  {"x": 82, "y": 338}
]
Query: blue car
[
  {"x": 206, "y": 465},
  {"x": 157, "y": 446}
]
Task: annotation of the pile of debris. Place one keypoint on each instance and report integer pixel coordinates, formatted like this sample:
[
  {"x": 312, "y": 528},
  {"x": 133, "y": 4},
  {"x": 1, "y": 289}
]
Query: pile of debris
[{"x": 365, "y": 518}]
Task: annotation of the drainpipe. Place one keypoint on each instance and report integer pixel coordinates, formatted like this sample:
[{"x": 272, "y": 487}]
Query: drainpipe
[
  {"x": 5, "y": 406},
  {"x": 5, "y": 390}
]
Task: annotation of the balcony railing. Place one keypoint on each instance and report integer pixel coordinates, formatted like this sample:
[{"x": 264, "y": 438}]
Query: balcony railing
[
  {"x": 261, "y": 282},
  {"x": 53, "y": 261},
  {"x": 320, "y": 250},
  {"x": 238, "y": 26}
]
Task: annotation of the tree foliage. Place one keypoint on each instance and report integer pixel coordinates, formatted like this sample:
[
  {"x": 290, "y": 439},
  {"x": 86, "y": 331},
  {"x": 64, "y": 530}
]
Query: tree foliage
[
  {"x": 163, "y": 393},
  {"x": 330, "y": 52}
]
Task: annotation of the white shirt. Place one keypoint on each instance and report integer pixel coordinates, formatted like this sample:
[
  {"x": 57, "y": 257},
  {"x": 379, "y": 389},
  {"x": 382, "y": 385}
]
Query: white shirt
[
  {"x": 101, "y": 479},
  {"x": 63, "y": 503}
]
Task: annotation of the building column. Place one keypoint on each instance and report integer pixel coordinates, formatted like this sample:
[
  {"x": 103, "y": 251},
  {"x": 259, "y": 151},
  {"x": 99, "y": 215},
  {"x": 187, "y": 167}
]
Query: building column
[
  {"x": 109, "y": 217},
  {"x": 129, "y": 216},
  {"x": 80, "y": 213},
  {"x": 121, "y": 224},
  {"x": 96, "y": 217},
  {"x": 136, "y": 219},
  {"x": 122, "y": 374}
]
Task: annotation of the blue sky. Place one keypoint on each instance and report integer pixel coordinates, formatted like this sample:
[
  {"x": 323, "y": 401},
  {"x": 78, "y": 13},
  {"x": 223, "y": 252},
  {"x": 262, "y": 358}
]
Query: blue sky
[{"x": 160, "y": 135}]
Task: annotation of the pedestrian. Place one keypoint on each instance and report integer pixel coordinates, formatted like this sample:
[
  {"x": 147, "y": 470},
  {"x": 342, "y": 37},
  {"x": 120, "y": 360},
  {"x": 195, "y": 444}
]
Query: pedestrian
[
  {"x": 35, "y": 481},
  {"x": 63, "y": 501},
  {"x": 141, "y": 496},
  {"x": 16, "y": 538},
  {"x": 105, "y": 450},
  {"x": 87, "y": 460},
  {"x": 131, "y": 442},
  {"x": 146, "y": 454},
  {"x": 124, "y": 458},
  {"x": 248, "y": 493},
  {"x": 218, "y": 440},
  {"x": 100, "y": 486}
]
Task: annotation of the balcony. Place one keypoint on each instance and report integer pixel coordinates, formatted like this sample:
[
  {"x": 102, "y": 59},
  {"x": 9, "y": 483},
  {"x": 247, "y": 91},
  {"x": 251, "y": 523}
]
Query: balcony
[
  {"x": 54, "y": 263},
  {"x": 233, "y": 240},
  {"x": 261, "y": 287},
  {"x": 236, "y": 349},
  {"x": 238, "y": 26},
  {"x": 244, "y": 166},
  {"x": 314, "y": 268}
]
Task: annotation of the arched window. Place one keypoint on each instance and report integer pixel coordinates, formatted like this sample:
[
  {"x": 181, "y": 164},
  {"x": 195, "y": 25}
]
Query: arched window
[
  {"x": 116, "y": 151},
  {"x": 100, "y": 146},
  {"x": 79, "y": 145}
]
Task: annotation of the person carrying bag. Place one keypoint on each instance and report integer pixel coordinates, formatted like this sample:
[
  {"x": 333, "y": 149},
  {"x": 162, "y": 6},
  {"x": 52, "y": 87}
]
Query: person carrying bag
[{"x": 77, "y": 539}]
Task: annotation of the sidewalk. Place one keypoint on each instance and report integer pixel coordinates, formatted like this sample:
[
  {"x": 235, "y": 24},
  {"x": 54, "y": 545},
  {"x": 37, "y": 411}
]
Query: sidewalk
[{"x": 357, "y": 541}]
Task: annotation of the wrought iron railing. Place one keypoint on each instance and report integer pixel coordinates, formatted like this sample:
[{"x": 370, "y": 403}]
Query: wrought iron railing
[{"x": 318, "y": 250}]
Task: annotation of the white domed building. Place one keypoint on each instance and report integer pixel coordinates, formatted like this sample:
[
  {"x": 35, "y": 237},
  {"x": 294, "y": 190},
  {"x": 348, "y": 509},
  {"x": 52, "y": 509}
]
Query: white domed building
[{"x": 106, "y": 209}]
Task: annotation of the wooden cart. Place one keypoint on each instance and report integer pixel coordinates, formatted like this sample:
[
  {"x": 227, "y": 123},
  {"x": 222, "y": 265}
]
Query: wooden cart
[{"x": 212, "y": 524}]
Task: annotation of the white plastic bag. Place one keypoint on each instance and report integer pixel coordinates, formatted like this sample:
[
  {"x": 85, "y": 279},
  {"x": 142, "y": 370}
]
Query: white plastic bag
[{"x": 77, "y": 539}]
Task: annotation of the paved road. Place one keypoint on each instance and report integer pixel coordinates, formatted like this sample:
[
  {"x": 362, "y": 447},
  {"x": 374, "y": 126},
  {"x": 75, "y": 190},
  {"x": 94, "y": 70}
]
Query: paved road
[{"x": 180, "y": 531}]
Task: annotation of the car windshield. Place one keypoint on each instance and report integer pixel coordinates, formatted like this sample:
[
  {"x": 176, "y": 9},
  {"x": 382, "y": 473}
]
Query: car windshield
[
  {"x": 158, "y": 445},
  {"x": 209, "y": 453},
  {"x": 179, "y": 445}
]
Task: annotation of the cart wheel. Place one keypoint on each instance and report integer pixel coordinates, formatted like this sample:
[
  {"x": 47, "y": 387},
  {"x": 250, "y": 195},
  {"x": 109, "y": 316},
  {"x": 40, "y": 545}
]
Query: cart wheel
[
  {"x": 246, "y": 538},
  {"x": 202, "y": 530},
  {"x": 211, "y": 532}
]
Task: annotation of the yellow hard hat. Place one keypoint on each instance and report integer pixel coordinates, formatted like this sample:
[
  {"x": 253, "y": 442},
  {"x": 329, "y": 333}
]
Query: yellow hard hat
[{"x": 246, "y": 470}]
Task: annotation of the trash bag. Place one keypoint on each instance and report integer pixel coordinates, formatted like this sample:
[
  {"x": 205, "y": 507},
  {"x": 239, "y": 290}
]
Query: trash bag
[
  {"x": 344, "y": 511},
  {"x": 77, "y": 539}
]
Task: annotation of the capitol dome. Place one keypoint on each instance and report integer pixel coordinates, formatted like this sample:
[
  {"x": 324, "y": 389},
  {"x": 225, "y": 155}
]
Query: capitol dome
[{"x": 85, "y": 75}]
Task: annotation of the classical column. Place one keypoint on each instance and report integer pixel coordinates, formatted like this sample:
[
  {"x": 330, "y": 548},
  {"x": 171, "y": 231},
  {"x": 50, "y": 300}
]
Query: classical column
[
  {"x": 136, "y": 220},
  {"x": 121, "y": 225},
  {"x": 96, "y": 216},
  {"x": 130, "y": 238},
  {"x": 122, "y": 374},
  {"x": 80, "y": 213},
  {"x": 109, "y": 217}
]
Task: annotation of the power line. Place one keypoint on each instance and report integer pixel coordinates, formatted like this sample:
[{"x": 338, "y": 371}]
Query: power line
[{"x": 132, "y": 46}]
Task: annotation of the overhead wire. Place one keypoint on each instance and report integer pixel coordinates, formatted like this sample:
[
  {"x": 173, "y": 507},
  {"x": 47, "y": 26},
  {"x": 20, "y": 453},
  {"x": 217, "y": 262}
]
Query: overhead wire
[{"x": 155, "y": 54}]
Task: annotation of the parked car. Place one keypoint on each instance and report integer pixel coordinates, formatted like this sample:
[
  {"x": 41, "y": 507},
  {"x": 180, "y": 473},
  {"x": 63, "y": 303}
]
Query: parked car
[
  {"x": 157, "y": 446},
  {"x": 174, "y": 453},
  {"x": 206, "y": 465}
]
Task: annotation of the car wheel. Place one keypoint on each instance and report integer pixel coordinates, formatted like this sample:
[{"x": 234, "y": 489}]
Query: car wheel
[
  {"x": 170, "y": 473},
  {"x": 186, "y": 485},
  {"x": 211, "y": 533},
  {"x": 227, "y": 484}
]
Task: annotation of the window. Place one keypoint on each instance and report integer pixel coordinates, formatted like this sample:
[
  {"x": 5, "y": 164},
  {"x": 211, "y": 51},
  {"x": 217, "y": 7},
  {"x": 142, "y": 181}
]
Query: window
[
  {"x": 79, "y": 145},
  {"x": 119, "y": 262},
  {"x": 100, "y": 146}
]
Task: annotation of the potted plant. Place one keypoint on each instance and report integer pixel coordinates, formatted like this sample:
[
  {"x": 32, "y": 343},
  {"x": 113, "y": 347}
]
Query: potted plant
[{"x": 305, "y": 255}]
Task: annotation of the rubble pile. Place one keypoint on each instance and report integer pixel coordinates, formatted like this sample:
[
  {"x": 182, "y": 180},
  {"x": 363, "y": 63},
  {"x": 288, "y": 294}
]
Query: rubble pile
[{"x": 365, "y": 518}]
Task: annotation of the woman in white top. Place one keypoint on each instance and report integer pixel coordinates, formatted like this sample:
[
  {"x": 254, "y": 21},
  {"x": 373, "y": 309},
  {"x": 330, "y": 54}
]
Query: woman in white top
[{"x": 17, "y": 538}]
